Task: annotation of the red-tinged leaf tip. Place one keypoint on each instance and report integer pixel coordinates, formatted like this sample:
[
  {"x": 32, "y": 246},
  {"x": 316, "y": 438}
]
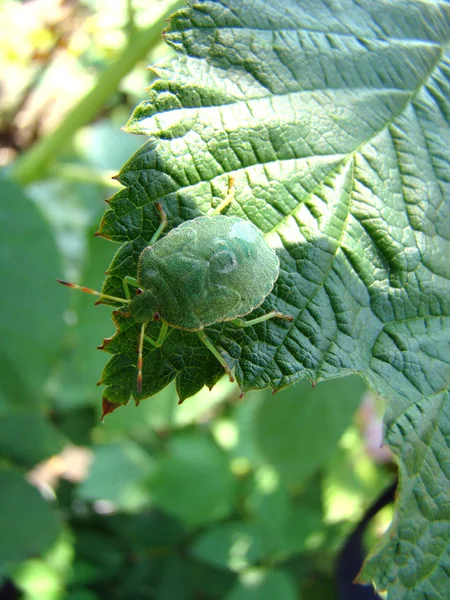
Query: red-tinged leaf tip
[
  {"x": 274, "y": 391},
  {"x": 116, "y": 177},
  {"x": 119, "y": 313},
  {"x": 102, "y": 235},
  {"x": 137, "y": 402},
  {"x": 108, "y": 407},
  {"x": 241, "y": 395},
  {"x": 107, "y": 200},
  {"x": 100, "y": 382},
  {"x": 180, "y": 401},
  {"x": 313, "y": 384},
  {"x": 231, "y": 378},
  {"x": 105, "y": 342},
  {"x": 65, "y": 283}
]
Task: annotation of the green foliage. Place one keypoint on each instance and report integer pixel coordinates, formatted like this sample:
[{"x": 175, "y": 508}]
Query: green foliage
[
  {"x": 31, "y": 317},
  {"x": 264, "y": 585},
  {"x": 333, "y": 122},
  {"x": 344, "y": 166},
  {"x": 293, "y": 414},
  {"x": 29, "y": 525},
  {"x": 194, "y": 463},
  {"x": 38, "y": 439}
]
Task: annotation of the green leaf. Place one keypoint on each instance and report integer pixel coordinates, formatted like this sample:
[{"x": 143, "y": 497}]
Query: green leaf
[
  {"x": 31, "y": 319},
  {"x": 264, "y": 585},
  {"x": 193, "y": 481},
  {"x": 288, "y": 525},
  {"x": 310, "y": 422},
  {"x": 28, "y": 523},
  {"x": 333, "y": 119},
  {"x": 234, "y": 546},
  {"x": 27, "y": 439},
  {"x": 117, "y": 474},
  {"x": 174, "y": 584}
]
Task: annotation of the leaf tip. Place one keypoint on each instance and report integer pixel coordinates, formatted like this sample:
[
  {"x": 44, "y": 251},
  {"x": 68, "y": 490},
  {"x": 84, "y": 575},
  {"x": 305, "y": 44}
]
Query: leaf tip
[
  {"x": 105, "y": 342},
  {"x": 108, "y": 407}
]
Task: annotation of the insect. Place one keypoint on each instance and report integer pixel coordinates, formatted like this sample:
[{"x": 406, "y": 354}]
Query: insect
[{"x": 207, "y": 270}]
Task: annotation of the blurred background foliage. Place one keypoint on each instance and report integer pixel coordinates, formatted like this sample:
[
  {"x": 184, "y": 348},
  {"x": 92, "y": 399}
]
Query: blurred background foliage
[{"x": 220, "y": 497}]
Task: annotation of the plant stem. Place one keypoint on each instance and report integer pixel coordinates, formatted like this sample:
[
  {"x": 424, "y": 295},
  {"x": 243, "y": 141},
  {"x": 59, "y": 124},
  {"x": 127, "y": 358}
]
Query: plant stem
[
  {"x": 84, "y": 174},
  {"x": 33, "y": 163}
]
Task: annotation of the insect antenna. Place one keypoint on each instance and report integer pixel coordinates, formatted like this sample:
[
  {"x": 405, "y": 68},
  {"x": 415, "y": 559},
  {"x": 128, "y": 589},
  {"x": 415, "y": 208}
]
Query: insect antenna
[
  {"x": 140, "y": 360},
  {"x": 74, "y": 286}
]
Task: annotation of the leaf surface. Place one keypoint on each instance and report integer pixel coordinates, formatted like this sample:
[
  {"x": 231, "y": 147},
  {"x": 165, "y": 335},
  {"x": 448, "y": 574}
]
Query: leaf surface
[
  {"x": 333, "y": 119},
  {"x": 31, "y": 319},
  {"x": 29, "y": 524}
]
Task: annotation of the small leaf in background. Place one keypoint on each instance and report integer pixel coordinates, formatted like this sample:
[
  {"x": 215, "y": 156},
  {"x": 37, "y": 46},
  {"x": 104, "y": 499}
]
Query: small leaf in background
[
  {"x": 45, "y": 577},
  {"x": 262, "y": 584},
  {"x": 210, "y": 581},
  {"x": 348, "y": 493},
  {"x": 27, "y": 439},
  {"x": 174, "y": 584},
  {"x": 234, "y": 546},
  {"x": 288, "y": 524},
  {"x": 117, "y": 474},
  {"x": 98, "y": 556},
  {"x": 193, "y": 481},
  {"x": 28, "y": 523},
  {"x": 309, "y": 422}
]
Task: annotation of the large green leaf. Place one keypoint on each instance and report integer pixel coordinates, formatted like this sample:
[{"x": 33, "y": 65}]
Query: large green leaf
[
  {"x": 27, "y": 439},
  {"x": 333, "y": 120},
  {"x": 31, "y": 318},
  {"x": 28, "y": 523}
]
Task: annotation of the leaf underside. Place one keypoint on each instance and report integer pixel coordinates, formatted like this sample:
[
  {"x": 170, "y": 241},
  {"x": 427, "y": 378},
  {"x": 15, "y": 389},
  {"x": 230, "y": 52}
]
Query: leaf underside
[{"x": 333, "y": 119}]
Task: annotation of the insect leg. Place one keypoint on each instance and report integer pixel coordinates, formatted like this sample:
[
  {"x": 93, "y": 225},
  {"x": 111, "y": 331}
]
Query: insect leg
[
  {"x": 156, "y": 343},
  {"x": 162, "y": 225},
  {"x": 127, "y": 281},
  {"x": 271, "y": 315},
  {"x": 220, "y": 358},
  {"x": 140, "y": 359},
  {"x": 228, "y": 198},
  {"x": 74, "y": 286},
  {"x": 161, "y": 337}
]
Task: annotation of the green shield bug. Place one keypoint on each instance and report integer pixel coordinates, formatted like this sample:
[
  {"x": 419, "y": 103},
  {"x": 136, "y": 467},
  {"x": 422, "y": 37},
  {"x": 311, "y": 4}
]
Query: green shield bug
[{"x": 207, "y": 270}]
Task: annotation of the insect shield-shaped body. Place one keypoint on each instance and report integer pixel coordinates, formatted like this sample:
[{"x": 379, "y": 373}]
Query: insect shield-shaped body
[{"x": 205, "y": 271}]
